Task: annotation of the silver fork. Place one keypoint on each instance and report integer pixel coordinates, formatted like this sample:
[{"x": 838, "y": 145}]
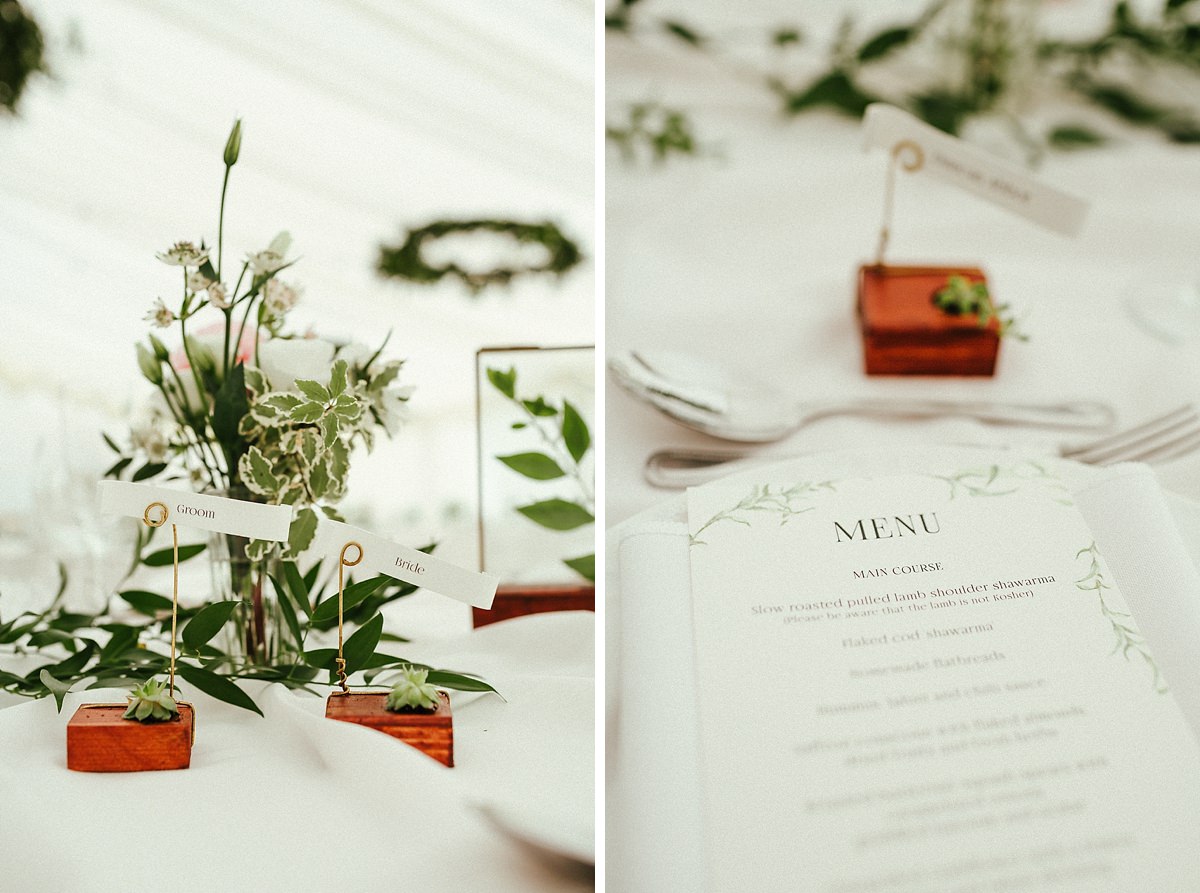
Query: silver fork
[{"x": 1161, "y": 439}]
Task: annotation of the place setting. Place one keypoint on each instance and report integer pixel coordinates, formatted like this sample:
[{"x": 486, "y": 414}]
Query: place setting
[{"x": 913, "y": 608}]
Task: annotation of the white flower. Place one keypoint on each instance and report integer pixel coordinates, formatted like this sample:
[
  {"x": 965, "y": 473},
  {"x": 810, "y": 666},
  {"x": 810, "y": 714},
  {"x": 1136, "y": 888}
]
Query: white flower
[
  {"x": 183, "y": 254},
  {"x": 218, "y": 295},
  {"x": 150, "y": 431},
  {"x": 161, "y": 315},
  {"x": 279, "y": 297},
  {"x": 393, "y": 407},
  {"x": 197, "y": 281},
  {"x": 265, "y": 262},
  {"x": 283, "y": 360},
  {"x": 356, "y": 354},
  {"x": 272, "y": 258}
]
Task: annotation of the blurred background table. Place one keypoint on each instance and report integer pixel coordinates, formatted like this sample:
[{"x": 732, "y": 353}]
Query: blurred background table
[{"x": 748, "y": 254}]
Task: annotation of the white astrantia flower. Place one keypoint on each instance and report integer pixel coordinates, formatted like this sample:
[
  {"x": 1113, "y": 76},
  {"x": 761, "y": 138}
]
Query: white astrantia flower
[
  {"x": 183, "y": 254},
  {"x": 218, "y": 295},
  {"x": 264, "y": 262},
  {"x": 267, "y": 261},
  {"x": 197, "y": 281},
  {"x": 160, "y": 314},
  {"x": 279, "y": 297}
]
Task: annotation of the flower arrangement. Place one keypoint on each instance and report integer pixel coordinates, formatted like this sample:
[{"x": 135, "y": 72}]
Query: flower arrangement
[{"x": 252, "y": 410}]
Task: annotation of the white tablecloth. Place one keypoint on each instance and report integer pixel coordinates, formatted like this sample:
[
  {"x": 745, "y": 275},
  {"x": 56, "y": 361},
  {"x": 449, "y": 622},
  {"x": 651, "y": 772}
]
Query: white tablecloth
[{"x": 295, "y": 802}]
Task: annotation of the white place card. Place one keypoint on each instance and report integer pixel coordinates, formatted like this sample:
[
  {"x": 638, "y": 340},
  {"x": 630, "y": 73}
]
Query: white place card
[
  {"x": 974, "y": 170},
  {"x": 929, "y": 683},
  {"x": 382, "y": 556},
  {"x": 218, "y": 514}
]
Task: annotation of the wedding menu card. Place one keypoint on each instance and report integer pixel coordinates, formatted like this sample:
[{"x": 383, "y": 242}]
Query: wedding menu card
[{"x": 920, "y": 683}]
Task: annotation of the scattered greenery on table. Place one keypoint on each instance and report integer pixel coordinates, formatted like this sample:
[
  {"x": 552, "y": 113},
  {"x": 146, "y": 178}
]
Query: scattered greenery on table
[
  {"x": 22, "y": 52},
  {"x": 127, "y": 644},
  {"x": 151, "y": 702},
  {"x": 407, "y": 260},
  {"x": 565, "y": 440},
  {"x": 654, "y": 130},
  {"x": 962, "y": 297},
  {"x": 1113, "y": 70}
]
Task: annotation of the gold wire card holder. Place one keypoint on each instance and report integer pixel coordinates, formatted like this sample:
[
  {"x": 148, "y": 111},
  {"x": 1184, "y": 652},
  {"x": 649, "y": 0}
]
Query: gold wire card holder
[
  {"x": 99, "y": 736},
  {"x": 430, "y": 732}
]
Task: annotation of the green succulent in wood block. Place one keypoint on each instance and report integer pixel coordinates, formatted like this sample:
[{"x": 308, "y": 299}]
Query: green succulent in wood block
[
  {"x": 412, "y": 691},
  {"x": 151, "y": 702}
]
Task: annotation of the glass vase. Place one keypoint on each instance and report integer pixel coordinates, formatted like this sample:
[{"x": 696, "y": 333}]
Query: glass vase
[{"x": 256, "y": 633}]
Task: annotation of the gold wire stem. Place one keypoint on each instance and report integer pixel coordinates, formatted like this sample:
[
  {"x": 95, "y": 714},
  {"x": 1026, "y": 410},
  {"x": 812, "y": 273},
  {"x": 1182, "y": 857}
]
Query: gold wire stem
[
  {"x": 914, "y": 161},
  {"x": 343, "y": 563},
  {"x": 159, "y": 522}
]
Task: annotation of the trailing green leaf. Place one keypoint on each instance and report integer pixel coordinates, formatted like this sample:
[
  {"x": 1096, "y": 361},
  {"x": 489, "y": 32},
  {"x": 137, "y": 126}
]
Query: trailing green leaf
[
  {"x": 207, "y": 623},
  {"x": 219, "y": 687},
  {"x": 557, "y": 514},
  {"x": 537, "y": 466}
]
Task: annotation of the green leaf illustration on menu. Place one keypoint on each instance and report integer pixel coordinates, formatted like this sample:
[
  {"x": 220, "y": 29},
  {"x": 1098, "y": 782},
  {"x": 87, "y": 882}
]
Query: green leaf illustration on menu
[
  {"x": 784, "y": 502},
  {"x": 1128, "y": 640},
  {"x": 1004, "y": 480},
  {"x": 564, "y": 441}
]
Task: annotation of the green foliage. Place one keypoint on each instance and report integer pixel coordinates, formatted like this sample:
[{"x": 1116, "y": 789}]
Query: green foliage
[
  {"x": 150, "y": 702},
  {"x": 406, "y": 259},
  {"x": 565, "y": 442},
  {"x": 136, "y": 651},
  {"x": 654, "y": 130},
  {"x": 412, "y": 692},
  {"x": 961, "y": 297},
  {"x": 22, "y": 52},
  {"x": 1110, "y": 70}
]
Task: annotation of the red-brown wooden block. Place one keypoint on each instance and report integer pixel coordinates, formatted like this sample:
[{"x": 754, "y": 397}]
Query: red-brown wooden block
[
  {"x": 905, "y": 333},
  {"x": 432, "y": 733},
  {"x": 98, "y": 740},
  {"x": 516, "y": 601}
]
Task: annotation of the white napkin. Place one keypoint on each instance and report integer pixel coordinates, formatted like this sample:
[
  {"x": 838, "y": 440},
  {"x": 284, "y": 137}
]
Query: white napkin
[
  {"x": 296, "y": 802},
  {"x": 653, "y": 805}
]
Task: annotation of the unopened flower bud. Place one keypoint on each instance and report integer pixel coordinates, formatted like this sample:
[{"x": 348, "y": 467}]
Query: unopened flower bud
[{"x": 233, "y": 145}]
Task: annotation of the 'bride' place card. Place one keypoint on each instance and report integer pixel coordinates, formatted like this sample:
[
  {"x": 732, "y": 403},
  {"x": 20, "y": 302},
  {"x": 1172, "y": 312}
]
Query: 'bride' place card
[{"x": 921, "y": 683}]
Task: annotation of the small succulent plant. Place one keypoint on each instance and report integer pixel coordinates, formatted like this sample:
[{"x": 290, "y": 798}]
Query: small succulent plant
[
  {"x": 412, "y": 691},
  {"x": 151, "y": 702},
  {"x": 962, "y": 297}
]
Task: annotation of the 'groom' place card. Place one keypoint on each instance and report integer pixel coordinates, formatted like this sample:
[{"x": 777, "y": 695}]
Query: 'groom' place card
[{"x": 923, "y": 683}]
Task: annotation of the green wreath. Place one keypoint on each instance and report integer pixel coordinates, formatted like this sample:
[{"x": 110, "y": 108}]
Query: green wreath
[
  {"x": 21, "y": 52},
  {"x": 405, "y": 261}
]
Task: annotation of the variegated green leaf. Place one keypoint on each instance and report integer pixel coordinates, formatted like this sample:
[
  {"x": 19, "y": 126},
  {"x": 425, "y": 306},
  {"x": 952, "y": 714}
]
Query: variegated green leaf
[
  {"x": 307, "y": 413},
  {"x": 337, "y": 379},
  {"x": 256, "y": 473},
  {"x": 304, "y": 528},
  {"x": 329, "y": 430},
  {"x": 283, "y": 402},
  {"x": 257, "y": 550},
  {"x": 313, "y": 390}
]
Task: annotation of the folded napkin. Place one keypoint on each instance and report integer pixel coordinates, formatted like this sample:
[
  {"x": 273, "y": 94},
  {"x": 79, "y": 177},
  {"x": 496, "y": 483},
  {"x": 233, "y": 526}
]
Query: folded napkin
[{"x": 1150, "y": 540}]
